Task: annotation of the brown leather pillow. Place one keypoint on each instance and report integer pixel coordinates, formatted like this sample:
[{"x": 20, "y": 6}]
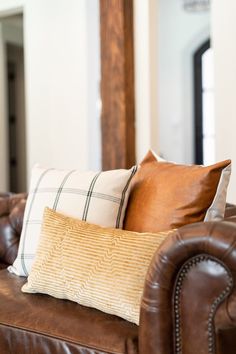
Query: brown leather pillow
[{"x": 166, "y": 195}]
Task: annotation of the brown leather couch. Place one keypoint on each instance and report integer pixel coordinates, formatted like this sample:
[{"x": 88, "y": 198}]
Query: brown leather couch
[{"x": 188, "y": 305}]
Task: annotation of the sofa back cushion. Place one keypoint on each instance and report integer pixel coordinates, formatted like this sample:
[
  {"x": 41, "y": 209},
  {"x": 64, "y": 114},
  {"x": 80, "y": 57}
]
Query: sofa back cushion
[
  {"x": 12, "y": 208},
  {"x": 167, "y": 195},
  {"x": 98, "y": 267},
  {"x": 98, "y": 197}
]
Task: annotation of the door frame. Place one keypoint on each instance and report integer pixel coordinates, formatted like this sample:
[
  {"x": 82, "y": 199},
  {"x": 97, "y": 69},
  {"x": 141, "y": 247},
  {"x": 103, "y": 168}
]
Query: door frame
[{"x": 198, "y": 104}]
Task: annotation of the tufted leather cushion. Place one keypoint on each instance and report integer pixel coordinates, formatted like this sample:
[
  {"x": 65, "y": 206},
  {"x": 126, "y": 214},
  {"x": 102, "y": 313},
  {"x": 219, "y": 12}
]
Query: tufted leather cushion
[{"x": 11, "y": 219}]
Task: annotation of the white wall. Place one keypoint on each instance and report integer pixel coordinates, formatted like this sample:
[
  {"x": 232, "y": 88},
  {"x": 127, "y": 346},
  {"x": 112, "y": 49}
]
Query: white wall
[
  {"x": 179, "y": 34},
  {"x": 94, "y": 76},
  {"x": 145, "y": 50},
  {"x": 224, "y": 45},
  {"x": 56, "y": 61},
  {"x": 59, "y": 37}
]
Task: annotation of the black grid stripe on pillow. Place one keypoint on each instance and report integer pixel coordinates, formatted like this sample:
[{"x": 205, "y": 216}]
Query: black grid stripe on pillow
[
  {"x": 79, "y": 191},
  {"x": 27, "y": 256},
  {"x": 34, "y": 222},
  {"x": 89, "y": 195},
  {"x": 22, "y": 255},
  {"x": 133, "y": 171},
  {"x": 61, "y": 188}
]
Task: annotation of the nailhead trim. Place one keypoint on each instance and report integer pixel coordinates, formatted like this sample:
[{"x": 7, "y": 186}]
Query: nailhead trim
[{"x": 178, "y": 287}]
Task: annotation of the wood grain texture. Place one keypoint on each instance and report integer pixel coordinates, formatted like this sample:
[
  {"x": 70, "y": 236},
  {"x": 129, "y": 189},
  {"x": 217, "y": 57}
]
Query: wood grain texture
[{"x": 117, "y": 84}]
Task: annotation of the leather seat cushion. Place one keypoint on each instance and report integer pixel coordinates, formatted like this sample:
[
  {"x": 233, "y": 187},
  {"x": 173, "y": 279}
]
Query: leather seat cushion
[{"x": 42, "y": 324}]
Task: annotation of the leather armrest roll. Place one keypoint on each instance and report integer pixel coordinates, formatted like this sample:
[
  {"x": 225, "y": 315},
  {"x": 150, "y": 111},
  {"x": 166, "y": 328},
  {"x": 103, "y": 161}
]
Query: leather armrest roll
[{"x": 190, "y": 281}]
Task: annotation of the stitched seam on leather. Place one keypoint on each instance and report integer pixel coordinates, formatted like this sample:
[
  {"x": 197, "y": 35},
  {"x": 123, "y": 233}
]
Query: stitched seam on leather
[
  {"x": 218, "y": 300},
  {"x": 58, "y": 337},
  {"x": 229, "y": 251}
]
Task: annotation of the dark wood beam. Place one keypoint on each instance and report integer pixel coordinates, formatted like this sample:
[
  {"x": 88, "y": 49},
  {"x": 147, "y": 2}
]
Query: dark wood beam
[{"x": 117, "y": 83}]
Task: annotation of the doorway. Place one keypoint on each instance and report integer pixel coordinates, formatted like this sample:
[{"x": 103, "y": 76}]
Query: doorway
[
  {"x": 16, "y": 118},
  {"x": 204, "y": 105},
  {"x": 14, "y": 100}
]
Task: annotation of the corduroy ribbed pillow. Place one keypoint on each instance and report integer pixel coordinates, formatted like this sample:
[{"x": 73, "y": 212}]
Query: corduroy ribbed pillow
[
  {"x": 97, "y": 267},
  {"x": 96, "y": 197}
]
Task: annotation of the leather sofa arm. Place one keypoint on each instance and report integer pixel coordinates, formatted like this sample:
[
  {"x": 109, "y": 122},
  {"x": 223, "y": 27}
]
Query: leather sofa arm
[
  {"x": 190, "y": 290},
  {"x": 230, "y": 210},
  {"x": 11, "y": 219}
]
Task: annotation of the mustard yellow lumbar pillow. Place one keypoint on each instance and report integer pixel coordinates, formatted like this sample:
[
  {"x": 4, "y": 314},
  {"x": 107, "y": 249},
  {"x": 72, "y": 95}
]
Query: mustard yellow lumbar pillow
[{"x": 98, "y": 267}]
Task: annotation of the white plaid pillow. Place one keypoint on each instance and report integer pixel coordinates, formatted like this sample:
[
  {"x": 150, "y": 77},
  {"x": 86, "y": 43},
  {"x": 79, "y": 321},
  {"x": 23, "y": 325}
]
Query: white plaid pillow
[{"x": 97, "y": 197}]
